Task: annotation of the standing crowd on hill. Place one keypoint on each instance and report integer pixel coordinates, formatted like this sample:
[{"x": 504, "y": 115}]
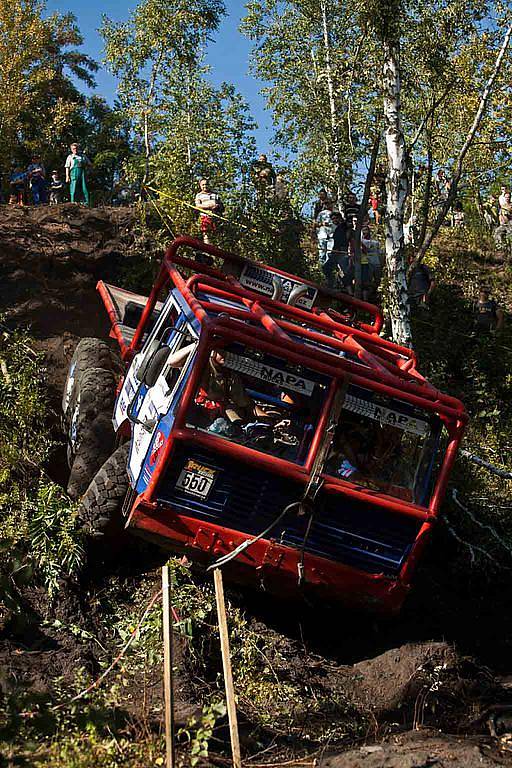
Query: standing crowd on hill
[{"x": 32, "y": 185}]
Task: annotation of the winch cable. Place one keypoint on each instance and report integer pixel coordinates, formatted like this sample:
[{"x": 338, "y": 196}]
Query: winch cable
[{"x": 312, "y": 488}]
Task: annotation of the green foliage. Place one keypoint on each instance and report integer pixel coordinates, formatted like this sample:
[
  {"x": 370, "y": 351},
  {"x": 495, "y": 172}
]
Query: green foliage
[
  {"x": 199, "y": 731},
  {"x": 55, "y": 546},
  {"x": 39, "y": 102},
  {"x": 38, "y": 537}
]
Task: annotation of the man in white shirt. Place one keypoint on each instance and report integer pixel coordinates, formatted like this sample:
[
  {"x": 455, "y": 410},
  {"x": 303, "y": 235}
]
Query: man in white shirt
[
  {"x": 325, "y": 231},
  {"x": 75, "y": 173},
  {"x": 208, "y": 202}
]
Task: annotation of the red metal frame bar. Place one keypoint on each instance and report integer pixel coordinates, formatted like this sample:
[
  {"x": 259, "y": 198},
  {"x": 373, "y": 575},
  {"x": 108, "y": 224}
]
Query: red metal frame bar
[{"x": 350, "y": 301}]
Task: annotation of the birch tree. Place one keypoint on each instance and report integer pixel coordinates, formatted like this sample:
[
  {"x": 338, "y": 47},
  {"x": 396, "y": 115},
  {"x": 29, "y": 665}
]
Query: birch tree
[{"x": 309, "y": 54}]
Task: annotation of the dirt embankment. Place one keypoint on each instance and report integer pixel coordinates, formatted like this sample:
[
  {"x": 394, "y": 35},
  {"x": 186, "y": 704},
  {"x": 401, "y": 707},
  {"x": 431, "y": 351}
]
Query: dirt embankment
[
  {"x": 414, "y": 695},
  {"x": 50, "y": 261}
]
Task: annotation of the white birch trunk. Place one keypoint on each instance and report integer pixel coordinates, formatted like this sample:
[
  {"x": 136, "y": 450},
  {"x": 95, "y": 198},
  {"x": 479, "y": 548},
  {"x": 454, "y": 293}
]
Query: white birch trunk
[
  {"x": 332, "y": 102},
  {"x": 397, "y": 188}
]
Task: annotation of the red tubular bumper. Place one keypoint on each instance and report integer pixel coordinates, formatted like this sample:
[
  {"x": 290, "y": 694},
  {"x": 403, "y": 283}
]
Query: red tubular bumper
[{"x": 269, "y": 565}]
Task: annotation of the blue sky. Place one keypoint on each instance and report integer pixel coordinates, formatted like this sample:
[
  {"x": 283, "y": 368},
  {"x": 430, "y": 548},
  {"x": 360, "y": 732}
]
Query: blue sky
[{"x": 228, "y": 55}]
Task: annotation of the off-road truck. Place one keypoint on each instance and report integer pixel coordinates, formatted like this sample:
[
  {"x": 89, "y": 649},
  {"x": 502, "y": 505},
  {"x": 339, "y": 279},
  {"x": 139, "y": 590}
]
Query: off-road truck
[{"x": 259, "y": 422}]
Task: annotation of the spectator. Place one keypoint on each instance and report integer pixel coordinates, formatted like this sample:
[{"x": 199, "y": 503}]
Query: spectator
[
  {"x": 325, "y": 230},
  {"x": 490, "y": 212},
  {"x": 375, "y": 261},
  {"x": 208, "y": 202},
  {"x": 263, "y": 176},
  {"x": 319, "y": 204},
  {"x": 365, "y": 265},
  {"x": 351, "y": 207},
  {"x": 36, "y": 176},
  {"x": 458, "y": 215},
  {"x": 281, "y": 187},
  {"x": 375, "y": 204},
  {"x": 339, "y": 262},
  {"x": 76, "y": 164},
  {"x": 56, "y": 189},
  {"x": 421, "y": 285},
  {"x": 501, "y": 198},
  {"x": 488, "y": 317},
  {"x": 17, "y": 185},
  {"x": 504, "y": 231},
  {"x": 505, "y": 214},
  {"x": 442, "y": 186}
]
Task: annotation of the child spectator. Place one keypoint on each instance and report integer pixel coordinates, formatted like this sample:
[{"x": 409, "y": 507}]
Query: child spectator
[
  {"x": 375, "y": 204},
  {"x": 56, "y": 189},
  {"x": 17, "y": 186},
  {"x": 36, "y": 176}
]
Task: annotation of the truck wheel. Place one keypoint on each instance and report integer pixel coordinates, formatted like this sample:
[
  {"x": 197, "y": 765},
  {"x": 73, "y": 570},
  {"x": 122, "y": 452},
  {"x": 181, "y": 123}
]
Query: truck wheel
[
  {"x": 94, "y": 395},
  {"x": 95, "y": 446},
  {"x": 89, "y": 353},
  {"x": 101, "y": 509}
]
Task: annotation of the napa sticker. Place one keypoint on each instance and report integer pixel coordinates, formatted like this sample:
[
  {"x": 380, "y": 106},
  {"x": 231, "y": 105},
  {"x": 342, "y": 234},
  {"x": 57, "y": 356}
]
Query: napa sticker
[
  {"x": 276, "y": 376},
  {"x": 196, "y": 479},
  {"x": 386, "y": 416}
]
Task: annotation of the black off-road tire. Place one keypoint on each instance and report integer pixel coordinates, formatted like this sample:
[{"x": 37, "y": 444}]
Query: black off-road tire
[
  {"x": 96, "y": 445},
  {"x": 100, "y": 512},
  {"x": 89, "y": 353},
  {"x": 94, "y": 395}
]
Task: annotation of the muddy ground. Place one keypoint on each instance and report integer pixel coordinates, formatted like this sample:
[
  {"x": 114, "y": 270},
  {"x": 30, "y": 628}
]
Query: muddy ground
[{"x": 432, "y": 686}]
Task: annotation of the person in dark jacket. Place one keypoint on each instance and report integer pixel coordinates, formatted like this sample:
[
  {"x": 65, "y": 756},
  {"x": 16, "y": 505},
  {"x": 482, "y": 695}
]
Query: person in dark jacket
[{"x": 488, "y": 316}]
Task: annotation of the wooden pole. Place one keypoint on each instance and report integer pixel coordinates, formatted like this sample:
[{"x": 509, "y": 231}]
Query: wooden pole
[
  {"x": 168, "y": 680},
  {"x": 226, "y": 664}
]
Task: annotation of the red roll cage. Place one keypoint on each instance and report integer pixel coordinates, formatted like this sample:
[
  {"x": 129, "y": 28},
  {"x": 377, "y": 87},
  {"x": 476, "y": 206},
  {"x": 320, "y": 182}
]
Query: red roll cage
[{"x": 274, "y": 326}]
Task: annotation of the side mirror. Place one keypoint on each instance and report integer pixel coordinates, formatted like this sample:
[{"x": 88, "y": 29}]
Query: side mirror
[
  {"x": 151, "y": 350},
  {"x": 155, "y": 365}
]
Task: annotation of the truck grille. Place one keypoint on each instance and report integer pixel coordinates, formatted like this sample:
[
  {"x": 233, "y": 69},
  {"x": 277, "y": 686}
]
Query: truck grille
[{"x": 248, "y": 499}]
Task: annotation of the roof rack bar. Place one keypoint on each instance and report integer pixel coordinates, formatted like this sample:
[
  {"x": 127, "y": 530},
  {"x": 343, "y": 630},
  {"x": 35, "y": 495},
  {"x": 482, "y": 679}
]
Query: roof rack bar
[{"x": 171, "y": 256}]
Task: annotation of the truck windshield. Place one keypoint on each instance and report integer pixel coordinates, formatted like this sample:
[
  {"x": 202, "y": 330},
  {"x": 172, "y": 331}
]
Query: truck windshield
[
  {"x": 385, "y": 444},
  {"x": 259, "y": 400}
]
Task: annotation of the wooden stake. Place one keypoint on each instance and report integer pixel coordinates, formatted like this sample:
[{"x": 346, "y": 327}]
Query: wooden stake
[
  {"x": 226, "y": 664},
  {"x": 168, "y": 679}
]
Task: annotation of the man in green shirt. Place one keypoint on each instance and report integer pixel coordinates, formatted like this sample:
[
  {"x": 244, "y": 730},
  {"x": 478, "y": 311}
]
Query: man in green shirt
[{"x": 75, "y": 173}]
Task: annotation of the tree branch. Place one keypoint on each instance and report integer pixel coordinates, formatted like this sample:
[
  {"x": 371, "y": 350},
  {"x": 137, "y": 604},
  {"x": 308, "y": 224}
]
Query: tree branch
[{"x": 452, "y": 194}]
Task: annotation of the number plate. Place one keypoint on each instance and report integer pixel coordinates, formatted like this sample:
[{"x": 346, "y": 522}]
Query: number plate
[{"x": 196, "y": 479}]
